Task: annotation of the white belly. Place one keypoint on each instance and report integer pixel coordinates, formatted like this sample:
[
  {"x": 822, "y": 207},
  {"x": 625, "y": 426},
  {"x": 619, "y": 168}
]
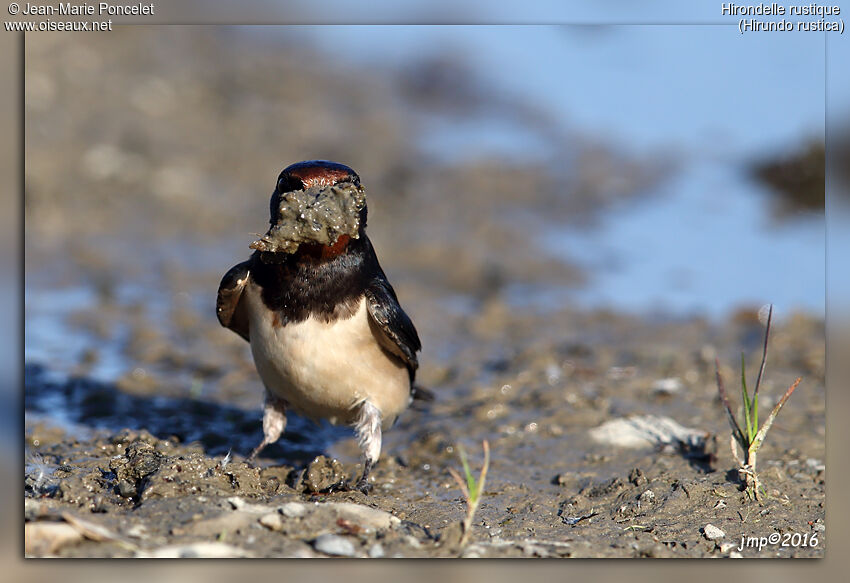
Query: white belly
[{"x": 326, "y": 370}]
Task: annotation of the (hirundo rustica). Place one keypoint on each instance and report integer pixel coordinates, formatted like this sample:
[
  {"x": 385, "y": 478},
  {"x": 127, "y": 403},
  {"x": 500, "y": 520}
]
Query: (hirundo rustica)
[{"x": 327, "y": 333}]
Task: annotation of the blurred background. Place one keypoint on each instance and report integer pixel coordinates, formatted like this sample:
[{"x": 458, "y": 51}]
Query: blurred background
[
  {"x": 668, "y": 172},
  {"x": 526, "y": 184}
]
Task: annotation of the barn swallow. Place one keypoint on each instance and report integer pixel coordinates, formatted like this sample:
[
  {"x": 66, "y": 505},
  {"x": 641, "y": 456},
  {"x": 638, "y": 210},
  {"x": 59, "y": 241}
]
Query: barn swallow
[{"x": 327, "y": 333}]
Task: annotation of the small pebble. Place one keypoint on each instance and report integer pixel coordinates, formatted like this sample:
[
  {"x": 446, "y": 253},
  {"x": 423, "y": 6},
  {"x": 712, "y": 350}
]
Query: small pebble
[
  {"x": 648, "y": 497},
  {"x": 304, "y": 553},
  {"x": 711, "y": 532},
  {"x": 532, "y": 550},
  {"x": 564, "y": 479},
  {"x": 293, "y": 510},
  {"x": 127, "y": 489},
  {"x": 815, "y": 464},
  {"x": 669, "y": 386},
  {"x": 332, "y": 544},
  {"x": 473, "y": 552},
  {"x": 272, "y": 521},
  {"x": 137, "y": 531},
  {"x": 637, "y": 477},
  {"x": 236, "y": 502},
  {"x": 377, "y": 551}
]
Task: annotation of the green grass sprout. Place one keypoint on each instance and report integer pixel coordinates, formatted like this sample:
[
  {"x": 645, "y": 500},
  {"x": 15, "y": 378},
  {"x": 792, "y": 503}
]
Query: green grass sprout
[
  {"x": 751, "y": 440},
  {"x": 471, "y": 488}
]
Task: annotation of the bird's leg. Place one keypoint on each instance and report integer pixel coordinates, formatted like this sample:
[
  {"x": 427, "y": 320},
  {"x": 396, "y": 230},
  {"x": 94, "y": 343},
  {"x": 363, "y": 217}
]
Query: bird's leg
[
  {"x": 368, "y": 428},
  {"x": 274, "y": 422}
]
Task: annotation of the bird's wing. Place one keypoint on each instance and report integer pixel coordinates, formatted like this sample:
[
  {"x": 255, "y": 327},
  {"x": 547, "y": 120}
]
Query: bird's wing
[
  {"x": 392, "y": 327},
  {"x": 229, "y": 309}
]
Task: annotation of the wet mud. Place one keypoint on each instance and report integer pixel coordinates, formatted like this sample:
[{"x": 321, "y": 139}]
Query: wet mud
[
  {"x": 140, "y": 408},
  {"x": 174, "y": 478},
  {"x": 318, "y": 215}
]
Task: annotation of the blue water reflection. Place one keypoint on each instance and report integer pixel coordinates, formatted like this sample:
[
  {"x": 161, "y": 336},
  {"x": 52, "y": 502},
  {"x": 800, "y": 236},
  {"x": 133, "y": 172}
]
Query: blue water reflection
[{"x": 714, "y": 98}]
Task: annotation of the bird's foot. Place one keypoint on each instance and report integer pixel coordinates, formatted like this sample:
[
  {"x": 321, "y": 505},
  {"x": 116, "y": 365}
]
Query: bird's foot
[
  {"x": 251, "y": 460},
  {"x": 363, "y": 486}
]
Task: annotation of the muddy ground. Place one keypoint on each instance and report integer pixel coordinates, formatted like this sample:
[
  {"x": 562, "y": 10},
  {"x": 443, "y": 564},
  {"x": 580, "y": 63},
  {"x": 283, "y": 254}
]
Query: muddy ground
[
  {"x": 165, "y": 475},
  {"x": 140, "y": 408}
]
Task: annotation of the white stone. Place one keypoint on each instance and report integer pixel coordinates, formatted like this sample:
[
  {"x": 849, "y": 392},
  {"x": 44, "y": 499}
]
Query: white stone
[
  {"x": 377, "y": 551},
  {"x": 236, "y": 502},
  {"x": 711, "y": 532},
  {"x": 293, "y": 510},
  {"x": 272, "y": 521},
  {"x": 137, "y": 531},
  {"x": 201, "y": 550},
  {"x": 668, "y": 386},
  {"x": 365, "y": 516},
  {"x": 646, "y": 431},
  {"x": 332, "y": 544},
  {"x": 48, "y": 537}
]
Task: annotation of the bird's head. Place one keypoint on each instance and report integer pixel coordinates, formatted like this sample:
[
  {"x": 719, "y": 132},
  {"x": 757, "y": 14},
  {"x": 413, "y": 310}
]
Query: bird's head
[{"x": 315, "y": 203}]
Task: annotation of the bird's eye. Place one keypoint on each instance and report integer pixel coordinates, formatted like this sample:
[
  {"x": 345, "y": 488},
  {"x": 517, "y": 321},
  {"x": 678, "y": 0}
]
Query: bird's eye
[{"x": 288, "y": 183}]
